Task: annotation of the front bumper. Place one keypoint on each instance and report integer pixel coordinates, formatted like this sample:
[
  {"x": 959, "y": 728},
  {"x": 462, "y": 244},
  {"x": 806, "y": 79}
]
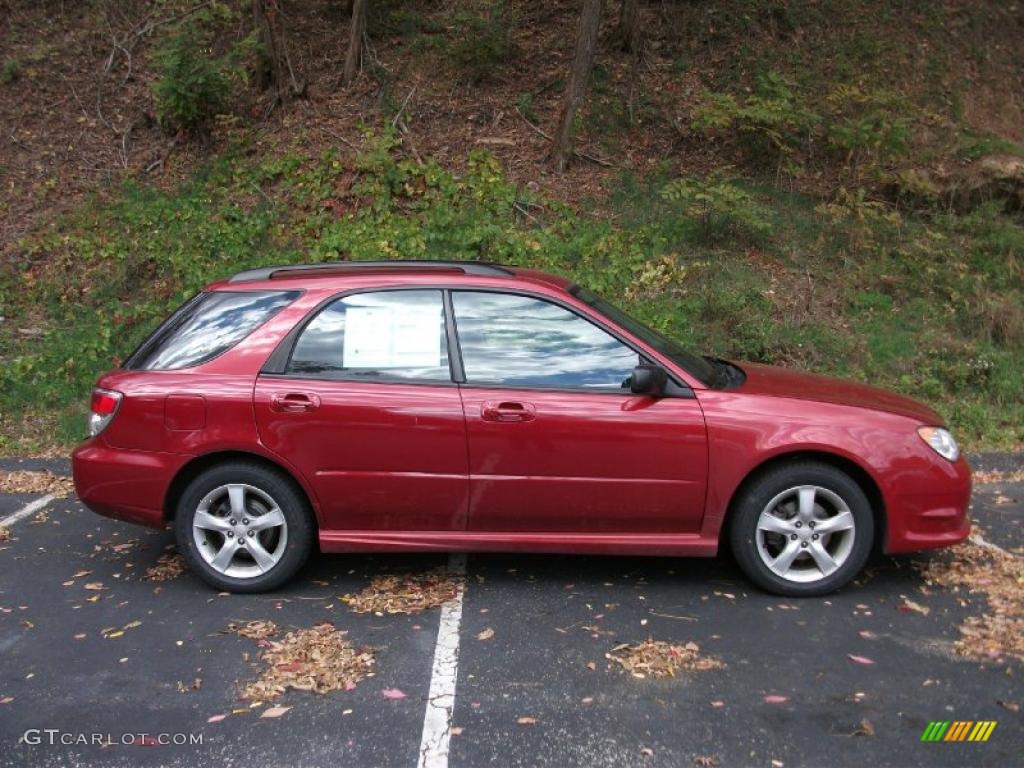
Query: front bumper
[
  {"x": 124, "y": 484},
  {"x": 928, "y": 510}
]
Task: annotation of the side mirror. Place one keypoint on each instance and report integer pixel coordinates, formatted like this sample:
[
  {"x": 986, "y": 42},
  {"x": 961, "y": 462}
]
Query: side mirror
[{"x": 648, "y": 380}]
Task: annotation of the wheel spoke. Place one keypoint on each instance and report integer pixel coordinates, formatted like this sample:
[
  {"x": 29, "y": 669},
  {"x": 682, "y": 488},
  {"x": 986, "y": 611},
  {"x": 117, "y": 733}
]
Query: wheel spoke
[
  {"x": 264, "y": 560},
  {"x": 822, "y": 558},
  {"x": 272, "y": 519},
  {"x": 840, "y": 522},
  {"x": 806, "y": 511},
  {"x": 781, "y": 564},
  {"x": 225, "y": 555},
  {"x": 237, "y": 495},
  {"x": 209, "y": 522},
  {"x": 772, "y": 524}
]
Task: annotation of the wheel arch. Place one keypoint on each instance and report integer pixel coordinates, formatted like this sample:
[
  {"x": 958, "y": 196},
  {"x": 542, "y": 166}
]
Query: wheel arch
[
  {"x": 858, "y": 473},
  {"x": 200, "y": 464}
]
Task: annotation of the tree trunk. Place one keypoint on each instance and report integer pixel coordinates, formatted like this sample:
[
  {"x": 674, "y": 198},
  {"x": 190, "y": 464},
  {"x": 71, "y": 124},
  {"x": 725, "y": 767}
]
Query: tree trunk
[
  {"x": 273, "y": 65},
  {"x": 628, "y": 33},
  {"x": 583, "y": 61},
  {"x": 264, "y": 76},
  {"x": 354, "y": 57}
]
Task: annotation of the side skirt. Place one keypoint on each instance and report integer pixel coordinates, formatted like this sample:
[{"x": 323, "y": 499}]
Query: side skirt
[{"x": 663, "y": 544}]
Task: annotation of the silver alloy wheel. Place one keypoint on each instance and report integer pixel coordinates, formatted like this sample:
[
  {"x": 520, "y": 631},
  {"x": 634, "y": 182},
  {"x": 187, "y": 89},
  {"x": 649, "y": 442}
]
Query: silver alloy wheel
[
  {"x": 240, "y": 531},
  {"x": 805, "y": 533}
]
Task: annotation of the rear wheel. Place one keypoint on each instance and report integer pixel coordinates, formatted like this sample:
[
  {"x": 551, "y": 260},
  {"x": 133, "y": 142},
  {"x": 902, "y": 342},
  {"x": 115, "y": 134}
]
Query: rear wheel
[
  {"x": 802, "y": 529},
  {"x": 244, "y": 527}
]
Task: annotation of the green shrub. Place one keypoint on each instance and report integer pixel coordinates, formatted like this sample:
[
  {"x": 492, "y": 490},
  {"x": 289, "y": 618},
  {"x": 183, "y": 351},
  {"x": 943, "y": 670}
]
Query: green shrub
[
  {"x": 483, "y": 40},
  {"x": 722, "y": 208},
  {"x": 10, "y": 71},
  {"x": 193, "y": 85},
  {"x": 770, "y": 122}
]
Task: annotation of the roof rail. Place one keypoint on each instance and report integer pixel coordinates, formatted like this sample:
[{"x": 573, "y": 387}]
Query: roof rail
[{"x": 468, "y": 267}]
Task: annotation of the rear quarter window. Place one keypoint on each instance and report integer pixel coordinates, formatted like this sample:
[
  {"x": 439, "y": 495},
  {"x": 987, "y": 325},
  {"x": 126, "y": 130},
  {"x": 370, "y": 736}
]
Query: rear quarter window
[{"x": 206, "y": 326}]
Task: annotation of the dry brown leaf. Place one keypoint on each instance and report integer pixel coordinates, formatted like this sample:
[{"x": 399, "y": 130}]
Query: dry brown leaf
[
  {"x": 982, "y": 478},
  {"x": 866, "y": 728},
  {"x": 487, "y": 634},
  {"x": 22, "y": 481},
  {"x": 526, "y": 720},
  {"x": 707, "y": 761},
  {"x": 660, "y": 659},
  {"x": 274, "y": 711},
  {"x": 259, "y": 629},
  {"x": 410, "y": 593},
  {"x": 999, "y": 576},
  {"x": 318, "y": 659},
  {"x": 5, "y": 534},
  {"x": 168, "y": 566}
]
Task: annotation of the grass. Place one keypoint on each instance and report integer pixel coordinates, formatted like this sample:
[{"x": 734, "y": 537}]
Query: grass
[{"x": 928, "y": 306}]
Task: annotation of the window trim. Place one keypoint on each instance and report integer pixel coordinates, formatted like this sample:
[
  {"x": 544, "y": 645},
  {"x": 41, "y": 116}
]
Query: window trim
[{"x": 278, "y": 361}]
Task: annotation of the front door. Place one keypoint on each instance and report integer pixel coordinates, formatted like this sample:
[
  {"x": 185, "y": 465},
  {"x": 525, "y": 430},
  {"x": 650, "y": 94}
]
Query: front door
[
  {"x": 557, "y": 442},
  {"x": 367, "y": 411}
]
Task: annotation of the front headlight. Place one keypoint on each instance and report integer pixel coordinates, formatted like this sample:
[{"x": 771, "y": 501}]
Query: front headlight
[{"x": 941, "y": 441}]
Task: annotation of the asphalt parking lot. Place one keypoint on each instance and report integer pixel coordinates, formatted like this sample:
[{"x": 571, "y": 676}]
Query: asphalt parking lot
[{"x": 790, "y": 692}]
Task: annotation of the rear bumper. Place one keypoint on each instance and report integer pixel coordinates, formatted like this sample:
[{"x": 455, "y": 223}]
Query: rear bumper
[
  {"x": 124, "y": 484},
  {"x": 929, "y": 510}
]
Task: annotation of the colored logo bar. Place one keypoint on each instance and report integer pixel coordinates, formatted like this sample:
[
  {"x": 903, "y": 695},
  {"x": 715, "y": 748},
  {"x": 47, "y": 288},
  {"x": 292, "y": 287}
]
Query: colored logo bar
[{"x": 958, "y": 730}]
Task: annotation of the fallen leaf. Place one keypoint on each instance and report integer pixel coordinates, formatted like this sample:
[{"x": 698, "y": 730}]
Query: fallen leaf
[
  {"x": 274, "y": 712},
  {"x": 864, "y": 729},
  {"x": 910, "y": 605},
  {"x": 1009, "y": 705},
  {"x": 215, "y": 718},
  {"x": 6, "y": 700},
  {"x": 775, "y": 699},
  {"x": 717, "y": 704},
  {"x": 487, "y": 634},
  {"x": 456, "y": 731},
  {"x": 80, "y": 574},
  {"x": 707, "y": 761},
  {"x": 591, "y": 666},
  {"x": 94, "y": 585},
  {"x": 867, "y": 634},
  {"x": 527, "y": 720},
  {"x": 646, "y": 752},
  {"x": 393, "y": 693},
  {"x": 859, "y": 659}
]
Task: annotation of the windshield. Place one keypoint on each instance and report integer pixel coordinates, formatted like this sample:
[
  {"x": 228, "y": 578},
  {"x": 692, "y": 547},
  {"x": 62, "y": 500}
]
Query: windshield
[{"x": 693, "y": 364}]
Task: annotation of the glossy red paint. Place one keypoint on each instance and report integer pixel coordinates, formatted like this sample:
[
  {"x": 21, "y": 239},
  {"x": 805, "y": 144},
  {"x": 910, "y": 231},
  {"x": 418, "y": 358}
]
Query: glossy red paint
[{"x": 390, "y": 466}]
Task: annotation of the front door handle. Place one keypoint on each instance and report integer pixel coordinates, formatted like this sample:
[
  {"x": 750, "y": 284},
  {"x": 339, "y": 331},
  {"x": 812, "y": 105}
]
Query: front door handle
[
  {"x": 507, "y": 410},
  {"x": 294, "y": 402}
]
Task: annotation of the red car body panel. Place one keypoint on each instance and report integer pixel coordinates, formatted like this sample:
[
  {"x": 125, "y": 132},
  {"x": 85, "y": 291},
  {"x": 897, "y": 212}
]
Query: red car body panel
[{"x": 419, "y": 467}]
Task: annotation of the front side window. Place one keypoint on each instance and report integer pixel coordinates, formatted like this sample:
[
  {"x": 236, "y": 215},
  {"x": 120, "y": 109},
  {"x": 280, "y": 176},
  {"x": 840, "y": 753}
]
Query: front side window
[
  {"x": 383, "y": 335},
  {"x": 206, "y": 326},
  {"x": 519, "y": 341}
]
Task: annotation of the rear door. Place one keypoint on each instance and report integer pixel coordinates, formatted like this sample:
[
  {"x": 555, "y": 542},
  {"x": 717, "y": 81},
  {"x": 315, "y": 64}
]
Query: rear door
[
  {"x": 557, "y": 442},
  {"x": 367, "y": 410}
]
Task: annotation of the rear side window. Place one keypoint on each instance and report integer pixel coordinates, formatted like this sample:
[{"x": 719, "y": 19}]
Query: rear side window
[
  {"x": 207, "y": 326},
  {"x": 384, "y": 335}
]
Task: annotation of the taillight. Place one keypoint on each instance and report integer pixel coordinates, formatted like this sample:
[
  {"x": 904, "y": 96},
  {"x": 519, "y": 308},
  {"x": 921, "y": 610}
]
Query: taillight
[{"x": 105, "y": 403}]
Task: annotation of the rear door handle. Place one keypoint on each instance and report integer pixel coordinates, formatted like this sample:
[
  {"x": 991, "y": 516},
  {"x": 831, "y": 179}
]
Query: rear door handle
[
  {"x": 507, "y": 410},
  {"x": 294, "y": 402}
]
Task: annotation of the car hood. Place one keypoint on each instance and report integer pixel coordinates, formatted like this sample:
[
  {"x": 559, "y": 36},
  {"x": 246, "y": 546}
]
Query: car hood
[{"x": 781, "y": 382}]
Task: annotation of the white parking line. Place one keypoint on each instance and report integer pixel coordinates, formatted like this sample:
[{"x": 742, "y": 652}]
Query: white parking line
[
  {"x": 437, "y": 722},
  {"x": 27, "y": 510}
]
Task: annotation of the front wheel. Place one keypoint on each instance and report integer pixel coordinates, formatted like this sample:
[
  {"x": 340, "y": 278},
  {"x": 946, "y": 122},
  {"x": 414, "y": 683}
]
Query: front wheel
[
  {"x": 802, "y": 529},
  {"x": 243, "y": 527}
]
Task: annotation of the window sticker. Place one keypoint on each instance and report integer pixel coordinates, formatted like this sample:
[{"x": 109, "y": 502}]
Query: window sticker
[{"x": 392, "y": 337}]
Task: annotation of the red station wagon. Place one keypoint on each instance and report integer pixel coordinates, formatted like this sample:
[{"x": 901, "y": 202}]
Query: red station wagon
[{"x": 432, "y": 406}]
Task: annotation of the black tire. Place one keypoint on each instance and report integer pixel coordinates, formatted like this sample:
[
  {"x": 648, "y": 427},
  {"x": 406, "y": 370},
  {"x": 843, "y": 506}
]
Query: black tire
[
  {"x": 300, "y": 529},
  {"x": 754, "y": 499}
]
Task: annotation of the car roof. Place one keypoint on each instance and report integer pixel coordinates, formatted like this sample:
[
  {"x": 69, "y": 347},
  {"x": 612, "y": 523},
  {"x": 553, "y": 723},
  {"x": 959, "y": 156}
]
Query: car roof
[{"x": 329, "y": 276}]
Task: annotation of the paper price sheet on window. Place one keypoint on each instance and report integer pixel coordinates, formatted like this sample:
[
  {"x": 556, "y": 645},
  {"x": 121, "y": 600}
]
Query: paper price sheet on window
[{"x": 392, "y": 337}]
